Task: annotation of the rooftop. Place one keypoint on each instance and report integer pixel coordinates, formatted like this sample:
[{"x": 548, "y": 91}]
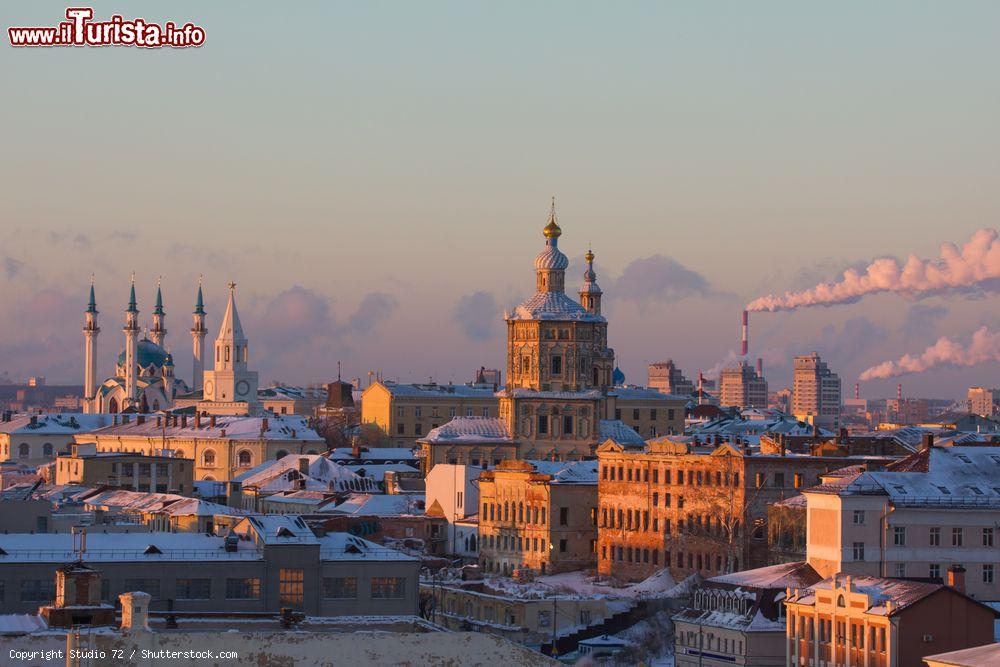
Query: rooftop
[
  {"x": 110, "y": 547},
  {"x": 364, "y": 504},
  {"x": 279, "y": 427},
  {"x": 432, "y": 389},
  {"x": 976, "y": 656},
  {"x": 488, "y": 430},
  {"x": 55, "y": 423}
]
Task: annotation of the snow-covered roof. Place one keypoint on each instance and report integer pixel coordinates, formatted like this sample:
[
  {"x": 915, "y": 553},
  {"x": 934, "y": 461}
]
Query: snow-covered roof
[
  {"x": 751, "y": 424},
  {"x": 588, "y": 395},
  {"x": 374, "y": 454},
  {"x": 55, "y": 423},
  {"x": 957, "y": 476},
  {"x": 786, "y": 575},
  {"x": 434, "y": 390},
  {"x": 619, "y": 432},
  {"x": 377, "y": 471},
  {"x": 901, "y": 593},
  {"x": 322, "y": 475},
  {"x": 487, "y": 430},
  {"x": 21, "y": 624},
  {"x": 282, "y": 392},
  {"x": 977, "y": 656},
  {"x": 364, "y": 504},
  {"x": 567, "y": 472},
  {"x": 279, "y": 427},
  {"x": 553, "y": 306},
  {"x": 118, "y": 500},
  {"x": 344, "y": 546},
  {"x": 111, "y": 547},
  {"x": 276, "y": 529},
  {"x": 644, "y": 394}
]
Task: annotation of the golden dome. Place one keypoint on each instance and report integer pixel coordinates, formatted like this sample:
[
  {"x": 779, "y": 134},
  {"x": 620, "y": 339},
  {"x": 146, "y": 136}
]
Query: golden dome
[
  {"x": 589, "y": 256},
  {"x": 552, "y": 230}
]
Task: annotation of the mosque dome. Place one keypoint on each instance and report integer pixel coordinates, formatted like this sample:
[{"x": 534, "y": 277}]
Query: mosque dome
[{"x": 147, "y": 352}]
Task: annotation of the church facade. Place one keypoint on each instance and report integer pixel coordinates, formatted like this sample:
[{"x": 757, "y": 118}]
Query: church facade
[
  {"x": 559, "y": 401},
  {"x": 144, "y": 379}
]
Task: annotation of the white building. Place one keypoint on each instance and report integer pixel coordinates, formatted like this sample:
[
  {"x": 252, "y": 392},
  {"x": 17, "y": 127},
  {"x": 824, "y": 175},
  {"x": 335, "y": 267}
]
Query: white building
[{"x": 453, "y": 493}]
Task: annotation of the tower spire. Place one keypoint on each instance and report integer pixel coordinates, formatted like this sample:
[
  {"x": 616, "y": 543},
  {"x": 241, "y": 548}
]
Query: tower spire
[
  {"x": 132, "y": 306},
  {"x": 158, "y": 308},
  {"x": 159, "y": 331},
  {"x": 198, "y": 332},
  {"x": 590, "y": 293},
  {"x": 90, "y": 331},
  {"x": 199, "y": 306}
]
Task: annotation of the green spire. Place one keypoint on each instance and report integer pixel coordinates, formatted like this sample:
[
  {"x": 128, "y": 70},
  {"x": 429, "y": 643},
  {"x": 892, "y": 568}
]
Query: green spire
[
  {"x": 92, "y": 306},
  {"x": 158, "y": 308},
  {"x": 199, "y": 307},
  {"x": 132, "y": 307}
]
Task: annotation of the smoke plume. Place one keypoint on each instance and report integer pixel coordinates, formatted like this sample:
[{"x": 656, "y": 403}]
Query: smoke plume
[
  {"x": 984, "y": 346},
  {"x": 975, "y": 264}
]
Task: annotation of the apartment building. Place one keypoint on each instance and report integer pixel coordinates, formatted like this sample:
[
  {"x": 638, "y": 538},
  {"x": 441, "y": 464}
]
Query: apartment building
[
  {"x": 815, "y": 391},
  {"x": 406, "y": 412},
  {"x": 666, "y": 377},
  {"x": 538, "y": 515},
  {"x": 933, "y": 509},
  {"x": 85, "y": 466},
  {"x": 861, "y": 620},
  {"x": 693, "y": 507},
  {"x": 649, "y": 412},
  {"x": 984, "y": 402},
  {"x": 266, "y": 563},
  {"x": 743, "y": 386},
  {"x": 34, "y": 440}
]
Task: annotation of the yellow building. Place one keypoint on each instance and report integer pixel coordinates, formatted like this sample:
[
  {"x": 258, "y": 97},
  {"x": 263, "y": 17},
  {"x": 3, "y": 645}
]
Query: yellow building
[
  {"x": 406, "y": 412},
  {"x": 34, "y": 440},
  {"x": 85, "y": 466},
  {"x": 538, "y": 515}
]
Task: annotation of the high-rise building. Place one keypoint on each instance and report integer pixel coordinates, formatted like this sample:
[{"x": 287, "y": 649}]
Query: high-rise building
[
  {"x": 815, "y": 392},
  {"x": 664, "y": 376},
  {"x": 743, "y": 386},
  {"x": 984, "y": 402}
]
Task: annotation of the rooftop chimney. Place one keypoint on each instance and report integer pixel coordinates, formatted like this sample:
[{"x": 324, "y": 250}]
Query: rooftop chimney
[
  {"x": 184, "y": 421},
  {"x": 956, "y": 578},
  {"x": 927, "y": 441},
  {"x": 355, "y": 447},
  {"x": 304, "y": 465},
  {"x": 746, "y": 335},
  {"x": 197, "y": 419},
  {"x": 211, "y": 421},
  {"x": 135, "y": 610}
]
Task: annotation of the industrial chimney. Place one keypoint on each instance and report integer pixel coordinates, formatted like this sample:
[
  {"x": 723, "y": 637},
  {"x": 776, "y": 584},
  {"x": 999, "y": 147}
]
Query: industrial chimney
[{"x": 746, "y": 335}]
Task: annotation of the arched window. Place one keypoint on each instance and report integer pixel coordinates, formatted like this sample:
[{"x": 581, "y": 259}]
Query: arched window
[
  {"x": 113, "y": 405},
  {"x": 208, "y": 458},
  {"x": 23, "y": 451},
  {"x": 840, "y": 601},
  {"x": 47, "y": 449},
  {"x": 245, "y": 459},
  {"x": 281, "y": 454},
  {"x": 227, "y": 353},
  {"x": 472, "y": 543}
]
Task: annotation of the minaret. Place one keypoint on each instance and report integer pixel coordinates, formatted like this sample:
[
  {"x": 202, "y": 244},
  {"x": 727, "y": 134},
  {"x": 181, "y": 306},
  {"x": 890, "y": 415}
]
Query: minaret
[
  {"x": 590, "y": 293},
  {"x": 131, "y": 331},
  {"x": 159, "y": 330},
  {"x": 550, "y": 263},
  {"x": 168, "y": 379},
  {"x": 90, "y": 331},
  {"x": 198, "y": 332}
]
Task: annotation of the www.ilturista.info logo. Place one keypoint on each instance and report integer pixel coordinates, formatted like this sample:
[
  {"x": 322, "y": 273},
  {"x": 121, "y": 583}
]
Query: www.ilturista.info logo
[{"x": 79, "y": 30}]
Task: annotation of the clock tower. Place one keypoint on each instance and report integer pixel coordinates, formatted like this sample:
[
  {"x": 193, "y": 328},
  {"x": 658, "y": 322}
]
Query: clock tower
[{"x": 230, "y": 386}]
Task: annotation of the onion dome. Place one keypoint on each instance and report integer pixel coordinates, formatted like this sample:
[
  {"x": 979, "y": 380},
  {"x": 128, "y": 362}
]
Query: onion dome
[{"x": 551, "y": 258}]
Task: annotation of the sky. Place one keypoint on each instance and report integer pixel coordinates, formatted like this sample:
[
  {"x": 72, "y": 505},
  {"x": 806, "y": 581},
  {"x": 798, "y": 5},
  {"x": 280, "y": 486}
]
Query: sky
[{"x": 375, "y": 176}]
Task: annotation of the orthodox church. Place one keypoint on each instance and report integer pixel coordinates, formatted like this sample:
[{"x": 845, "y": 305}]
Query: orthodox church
[{"x": 144, "y": 379}]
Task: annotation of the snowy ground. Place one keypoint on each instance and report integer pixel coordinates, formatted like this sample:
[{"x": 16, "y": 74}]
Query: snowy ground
[{"x": 659, "y": 585}]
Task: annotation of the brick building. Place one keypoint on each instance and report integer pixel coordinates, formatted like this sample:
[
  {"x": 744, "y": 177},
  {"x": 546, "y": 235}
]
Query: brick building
[{"x": 692, "y": 507}]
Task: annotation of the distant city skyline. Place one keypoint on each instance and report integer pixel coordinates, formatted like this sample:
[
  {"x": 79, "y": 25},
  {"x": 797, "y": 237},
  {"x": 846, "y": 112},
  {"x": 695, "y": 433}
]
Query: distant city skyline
[{"x": 378, "y": 194}]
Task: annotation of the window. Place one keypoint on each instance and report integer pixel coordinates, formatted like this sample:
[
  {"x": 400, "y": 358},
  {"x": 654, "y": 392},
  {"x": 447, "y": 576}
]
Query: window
[
  {"x": 340, "y": 588},
  {"x": 635, "y": 414},
  {"x": 38, "y": 590},
  {"x": 151, "y": 586},
  {"x": 556, "y": 365},
  {"x": 652, "y": 414},
  {"x": 418, "y": 429},
  {"x": 899, "y": 536},
  {"x": 161, "y": 470},
  {"x": 987, "y": 573},
  {"x": 290, "y": 587},
  {"x": 194, "y": 589},
  {"x": 388, "y": 588},
  {"x": 245, "y": 459},
  {"x": 563, "y": 516},
  {"x": 934, "y": 571},
  {"x": 934, "y": 537},
  {"x": 400, "y": 428},
  {"x": 761, "y": 479},
  {"x": 23, "y": 451},
  {"x": 207, "y": 459},
  {"x": 779, "y": 480},
  {"x": 543, "y": 424},
  {"x": 859, "y": 517},
  {"x": 956, "y": 537},
  {"x": 567, "y": 424},
  {"x": 987, "y": 537},
  {"x": 47, "y": 449},
  {"x": 900, "y": 569},
  {"x": 562, "y": 546},
  {"x": 243, "y": 589},
  {"x": 859, "y": 551}
]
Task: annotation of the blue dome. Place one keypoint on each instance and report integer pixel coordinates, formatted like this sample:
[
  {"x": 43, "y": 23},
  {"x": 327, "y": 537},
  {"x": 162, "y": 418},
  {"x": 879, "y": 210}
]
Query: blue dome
[
  {"x": 617, "y": 377},
  {"x": 147, "y": 353}
]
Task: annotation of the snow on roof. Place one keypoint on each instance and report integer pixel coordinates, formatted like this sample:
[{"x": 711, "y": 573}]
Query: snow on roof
[
  {"x": 344, "y": 546},
  {"x": 365, "y": 504},
  {"x": 553, "y": 306},
  {"x": 644, "y": 393},
  {"x": 901, "y": 593},
  {"x": 619, "y": 432},
  {"x": 977, "y": 656},
  {"x": 434, "y": 390},
  {"x": 165, "y": 503},
  {"x": 55, "y": 423},
  {"x": 490, "y": 430},
  {"x": 567, "y": 472},
  {"x": 278, "y": 392},
  {"x": 374, "y": 454},
  {"x": 20, "y": 624},
  {"x": 751, "y": 424},
  {"x": 786, "y": 575},
  {"x": 279, "y": 427},
  {"x": 956, "y": 476},
  {"x": 377, "y": 471},
  {"x": 276, "y": 529},
  {"x": 110, "y": 547},
  {"x": 588, "y": 395},
  {"x": 799, "y": 501},
  {"x": 322, "y": 475}
]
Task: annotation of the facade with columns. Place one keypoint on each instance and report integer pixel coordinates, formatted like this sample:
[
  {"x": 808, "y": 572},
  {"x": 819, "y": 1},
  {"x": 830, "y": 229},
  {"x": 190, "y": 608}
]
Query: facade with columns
[{"x": 144, "y": 379}]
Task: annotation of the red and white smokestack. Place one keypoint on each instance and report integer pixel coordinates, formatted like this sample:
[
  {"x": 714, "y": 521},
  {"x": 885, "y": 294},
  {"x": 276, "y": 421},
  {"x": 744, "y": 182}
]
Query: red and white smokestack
[
  {"x": 899, "y": 391},
  {"x": 857, "y": 390},
  {"x": 746, "y": 334}
]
